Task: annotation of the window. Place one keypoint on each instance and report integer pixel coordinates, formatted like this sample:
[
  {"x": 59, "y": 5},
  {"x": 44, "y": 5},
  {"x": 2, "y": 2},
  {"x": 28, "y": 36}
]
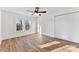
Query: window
[
  {"x": 18, "y": 24},
  {"x": 27, "y": 24},
  {"x": 22, "y": 24}
]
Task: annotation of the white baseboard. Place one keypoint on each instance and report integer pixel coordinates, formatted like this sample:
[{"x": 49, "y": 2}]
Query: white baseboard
[
  {"x": 9, "y": 36},
  {"x": 48, "y": 34}
]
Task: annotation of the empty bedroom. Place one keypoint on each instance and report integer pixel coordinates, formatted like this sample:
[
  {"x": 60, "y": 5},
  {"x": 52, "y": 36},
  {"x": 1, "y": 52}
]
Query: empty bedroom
[{"x": 39, "y": 29}]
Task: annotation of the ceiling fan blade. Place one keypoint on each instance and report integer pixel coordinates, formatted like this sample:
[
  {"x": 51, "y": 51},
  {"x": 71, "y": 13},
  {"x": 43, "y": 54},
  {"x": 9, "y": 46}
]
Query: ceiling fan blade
[
  {"x": 42, "y": 12},
  {"x": 29, "y": 11}
]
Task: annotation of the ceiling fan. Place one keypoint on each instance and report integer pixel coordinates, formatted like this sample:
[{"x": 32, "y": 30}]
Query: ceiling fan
[{"x": 36, "y": 11}]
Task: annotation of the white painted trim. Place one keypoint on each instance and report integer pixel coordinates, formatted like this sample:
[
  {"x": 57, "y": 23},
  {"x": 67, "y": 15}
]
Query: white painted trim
[
  {"x": 48, "y": 34},
  {"x": 14, "y": 36},
  {"x": 67, "y": 13}
]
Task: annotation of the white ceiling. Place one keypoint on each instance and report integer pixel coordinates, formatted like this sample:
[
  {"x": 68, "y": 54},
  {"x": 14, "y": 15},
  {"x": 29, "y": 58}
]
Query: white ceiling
[{"x": 50, "y": 10}]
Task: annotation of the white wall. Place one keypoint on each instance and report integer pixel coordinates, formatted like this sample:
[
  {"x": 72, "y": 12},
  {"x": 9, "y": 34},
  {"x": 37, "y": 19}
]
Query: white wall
[
  {"x": 9, "y": 25},
  {"x": 46, "y": 22},
  {"x": 67, "y": 27}
]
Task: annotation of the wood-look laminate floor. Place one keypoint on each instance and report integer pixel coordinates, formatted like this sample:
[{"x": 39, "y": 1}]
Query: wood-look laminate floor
[{"x": 38, "y": 43}]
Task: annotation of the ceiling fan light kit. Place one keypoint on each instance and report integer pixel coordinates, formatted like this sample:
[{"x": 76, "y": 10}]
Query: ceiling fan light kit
[{"x": 36, "y": 12}]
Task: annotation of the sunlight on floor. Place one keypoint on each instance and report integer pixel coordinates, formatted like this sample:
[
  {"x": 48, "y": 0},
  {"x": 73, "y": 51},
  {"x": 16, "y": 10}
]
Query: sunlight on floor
[
  {"x": 66, "y": 48},
  {"x": 0, "y": 42},
  {"x": 49, "y": 44},
  {"x": 39, "y": 34}
]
